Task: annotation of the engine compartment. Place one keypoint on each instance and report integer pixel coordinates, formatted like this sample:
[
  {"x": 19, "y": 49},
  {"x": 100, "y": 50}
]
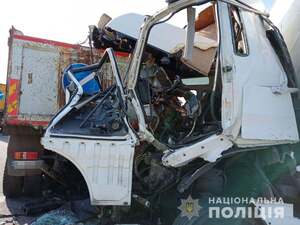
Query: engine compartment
[{"x": 177, "y": 113}]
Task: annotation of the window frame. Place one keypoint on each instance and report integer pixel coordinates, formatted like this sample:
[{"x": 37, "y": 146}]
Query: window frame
[{"x": 244, "y": 31}]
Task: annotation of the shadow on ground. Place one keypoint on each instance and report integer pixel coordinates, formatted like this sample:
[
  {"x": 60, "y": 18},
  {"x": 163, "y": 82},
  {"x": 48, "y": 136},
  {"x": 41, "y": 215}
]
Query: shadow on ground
[{"x": 13, "y": 208}]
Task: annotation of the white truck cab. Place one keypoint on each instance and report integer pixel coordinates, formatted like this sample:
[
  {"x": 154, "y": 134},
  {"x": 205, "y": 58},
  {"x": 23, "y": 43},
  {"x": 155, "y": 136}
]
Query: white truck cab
[{"x": 193, "y": 93}]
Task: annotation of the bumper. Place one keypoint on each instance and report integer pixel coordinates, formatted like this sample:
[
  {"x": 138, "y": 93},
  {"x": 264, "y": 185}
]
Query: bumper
[
  {"x": 25, "y": 168},
  {"x": 27, "y": 165}
]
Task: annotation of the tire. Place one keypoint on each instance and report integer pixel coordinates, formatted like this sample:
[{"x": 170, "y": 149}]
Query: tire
[
  {"x": 21, "y": 183},
  {"x": 21, "y": 186},
  {"x": 32, "y": 186},
  {"x": 12, "y": 185}
]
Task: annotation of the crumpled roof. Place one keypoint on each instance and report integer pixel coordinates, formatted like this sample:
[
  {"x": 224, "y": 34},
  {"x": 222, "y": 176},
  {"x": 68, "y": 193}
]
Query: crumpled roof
[{"x": 257, "y": 4}]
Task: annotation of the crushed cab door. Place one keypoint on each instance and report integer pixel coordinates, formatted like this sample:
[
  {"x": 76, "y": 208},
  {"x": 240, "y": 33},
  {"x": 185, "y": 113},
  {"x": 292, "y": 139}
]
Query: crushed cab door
[
  {"x": 257, "y": 107},
  {"x": 104, "y": 157}
]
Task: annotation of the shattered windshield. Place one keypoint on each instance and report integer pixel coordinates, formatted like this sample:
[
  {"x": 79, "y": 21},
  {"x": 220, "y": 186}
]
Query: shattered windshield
[{"x": 177, "y": 90}]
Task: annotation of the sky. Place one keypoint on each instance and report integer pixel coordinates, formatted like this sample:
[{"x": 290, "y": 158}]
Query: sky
[{"x": 63, "y": 20}]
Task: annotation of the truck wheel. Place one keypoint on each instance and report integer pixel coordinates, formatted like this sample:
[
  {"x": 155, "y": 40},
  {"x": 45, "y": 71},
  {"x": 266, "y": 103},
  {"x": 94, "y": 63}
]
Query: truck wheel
[
  {"x": 12, "y": 185},
  {"x": 22, "y": 182},
  {"x": 32, "y": 186}
]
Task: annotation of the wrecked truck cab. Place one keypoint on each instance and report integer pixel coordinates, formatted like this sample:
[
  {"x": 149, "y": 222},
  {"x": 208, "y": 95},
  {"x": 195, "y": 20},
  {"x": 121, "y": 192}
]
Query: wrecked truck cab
[
  {"x": 252, "y": 112},
  {"x": 189, "y": 94}
]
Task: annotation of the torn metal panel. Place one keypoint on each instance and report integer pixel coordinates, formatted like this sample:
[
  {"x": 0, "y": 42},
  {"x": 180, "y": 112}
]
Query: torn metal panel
[
  {"x": 159, "y": 36},
  {"x": 209, "y": 149},
  {"x": 99, "y": 142},
  {"x": 130, "y": 24},
  {"x": 106, "y": 166}
]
